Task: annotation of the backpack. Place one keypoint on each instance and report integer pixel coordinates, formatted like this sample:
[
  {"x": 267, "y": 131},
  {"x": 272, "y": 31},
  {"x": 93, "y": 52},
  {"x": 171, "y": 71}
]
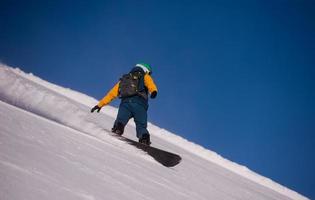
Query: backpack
[{"x": 129, "y": 84}]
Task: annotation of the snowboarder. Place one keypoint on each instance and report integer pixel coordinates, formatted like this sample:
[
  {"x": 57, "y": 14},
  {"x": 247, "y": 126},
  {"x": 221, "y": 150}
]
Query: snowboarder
[{"x": 133, "y": 89}]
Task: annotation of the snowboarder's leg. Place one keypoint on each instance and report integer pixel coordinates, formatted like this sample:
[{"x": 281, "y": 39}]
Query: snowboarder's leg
[
  {"x": 140, "y": 117},
  {"x": 123, "y": 116}
]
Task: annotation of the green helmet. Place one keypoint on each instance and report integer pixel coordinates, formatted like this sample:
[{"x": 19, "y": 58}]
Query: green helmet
[{"x": 146, "y": 67}]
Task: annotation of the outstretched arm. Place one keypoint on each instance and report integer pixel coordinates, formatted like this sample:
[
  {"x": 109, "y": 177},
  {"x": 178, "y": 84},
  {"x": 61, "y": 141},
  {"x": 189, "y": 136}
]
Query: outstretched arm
[{"x": 111, "y": 95}]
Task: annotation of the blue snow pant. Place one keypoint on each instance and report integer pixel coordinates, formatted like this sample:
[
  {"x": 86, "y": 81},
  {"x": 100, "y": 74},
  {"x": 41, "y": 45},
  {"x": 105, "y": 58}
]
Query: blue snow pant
[{"x": 132, "y": 108}]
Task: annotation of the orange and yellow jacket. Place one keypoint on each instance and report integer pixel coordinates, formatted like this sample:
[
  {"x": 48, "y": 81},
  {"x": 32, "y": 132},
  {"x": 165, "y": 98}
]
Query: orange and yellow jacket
[{"x": 114, "y": 92}]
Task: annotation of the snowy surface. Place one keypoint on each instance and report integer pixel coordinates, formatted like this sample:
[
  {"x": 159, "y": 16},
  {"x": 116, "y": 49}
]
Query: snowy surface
[{"x": 52, "y": 147}]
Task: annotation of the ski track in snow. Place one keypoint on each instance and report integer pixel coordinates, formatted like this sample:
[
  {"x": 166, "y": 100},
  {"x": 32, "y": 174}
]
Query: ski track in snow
[{"x": 50, "y": 144}]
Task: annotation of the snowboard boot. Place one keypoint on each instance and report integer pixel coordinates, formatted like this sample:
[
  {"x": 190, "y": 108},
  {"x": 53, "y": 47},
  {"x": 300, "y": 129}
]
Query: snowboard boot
[
  {"x": 145, "y": 139},
  {"x": 118, "y": 129}
]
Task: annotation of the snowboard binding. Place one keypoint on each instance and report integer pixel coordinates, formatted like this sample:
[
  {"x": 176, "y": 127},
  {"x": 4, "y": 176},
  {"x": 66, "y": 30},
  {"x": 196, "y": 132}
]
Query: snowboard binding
[
  {"x": 145, "y": 139},
  {"x": 118, "y": 129}
]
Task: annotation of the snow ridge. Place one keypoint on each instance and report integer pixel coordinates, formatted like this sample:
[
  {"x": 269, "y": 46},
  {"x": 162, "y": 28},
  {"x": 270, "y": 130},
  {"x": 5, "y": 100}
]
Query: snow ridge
[{"x": 71, "y": 108}]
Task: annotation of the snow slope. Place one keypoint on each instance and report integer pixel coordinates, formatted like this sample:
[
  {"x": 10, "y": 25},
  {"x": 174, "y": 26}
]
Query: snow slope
[{"x": 52, "y": 147}]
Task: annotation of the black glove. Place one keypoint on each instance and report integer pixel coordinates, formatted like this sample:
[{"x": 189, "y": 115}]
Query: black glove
[
  {"x": 96, "y": 108},
  {"x": 153, "y": 94}
]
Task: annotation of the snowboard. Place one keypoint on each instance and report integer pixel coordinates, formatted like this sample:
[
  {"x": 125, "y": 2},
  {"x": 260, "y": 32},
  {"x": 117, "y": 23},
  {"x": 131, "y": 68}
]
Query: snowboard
[{"x": 163, "y": 157}]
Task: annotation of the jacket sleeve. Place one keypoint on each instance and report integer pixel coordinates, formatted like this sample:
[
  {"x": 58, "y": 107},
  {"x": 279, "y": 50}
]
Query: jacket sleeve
[
  {"x": 111, "y": 95},
  {"x": 149, "y": 83}
]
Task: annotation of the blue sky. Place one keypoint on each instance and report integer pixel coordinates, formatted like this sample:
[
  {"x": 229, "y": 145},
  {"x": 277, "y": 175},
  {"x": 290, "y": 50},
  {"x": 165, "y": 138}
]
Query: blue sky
[{"x": 235, "y": 77}]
